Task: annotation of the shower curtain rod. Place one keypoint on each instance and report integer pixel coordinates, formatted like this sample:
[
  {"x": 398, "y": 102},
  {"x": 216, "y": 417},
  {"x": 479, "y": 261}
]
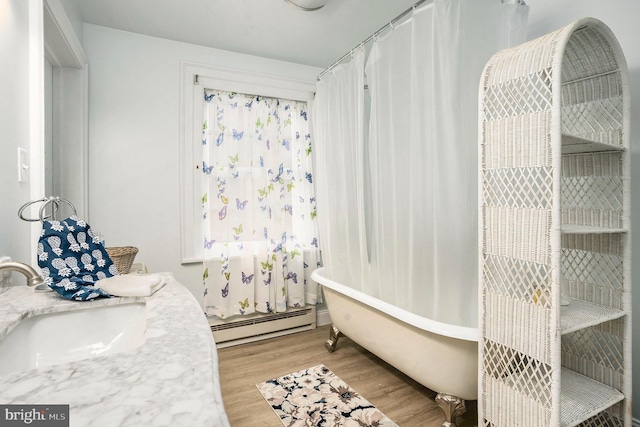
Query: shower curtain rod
[
  {"x": 386, "y": 27},
  {"x": 373, "y": 36}
]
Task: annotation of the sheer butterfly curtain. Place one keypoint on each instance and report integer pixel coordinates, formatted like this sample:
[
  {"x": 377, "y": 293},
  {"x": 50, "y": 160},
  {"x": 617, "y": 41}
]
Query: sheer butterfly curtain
[
  {"x": 258, "y": 205},
  {"x": 420, "y": 192}
]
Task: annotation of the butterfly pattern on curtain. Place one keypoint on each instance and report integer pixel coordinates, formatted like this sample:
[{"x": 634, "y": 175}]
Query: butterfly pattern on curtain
[{"x": 258, "y": 205}]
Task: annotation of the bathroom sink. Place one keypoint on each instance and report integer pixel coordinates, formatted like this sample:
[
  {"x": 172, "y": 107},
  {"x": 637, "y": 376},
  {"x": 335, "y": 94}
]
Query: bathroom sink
[{"x": 50, "y": 339}]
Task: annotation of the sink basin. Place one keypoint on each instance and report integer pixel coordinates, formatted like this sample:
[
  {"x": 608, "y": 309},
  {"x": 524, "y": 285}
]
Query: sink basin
[{"x": 50, "y": 339}]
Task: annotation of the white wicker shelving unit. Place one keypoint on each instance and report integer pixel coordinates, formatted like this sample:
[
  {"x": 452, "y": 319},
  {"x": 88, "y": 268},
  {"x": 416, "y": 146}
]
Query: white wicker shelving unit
[{"x": 554, "y": 208}]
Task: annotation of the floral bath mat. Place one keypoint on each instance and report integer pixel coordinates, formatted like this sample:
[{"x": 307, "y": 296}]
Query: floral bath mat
[{"x": 317, "y": 397}]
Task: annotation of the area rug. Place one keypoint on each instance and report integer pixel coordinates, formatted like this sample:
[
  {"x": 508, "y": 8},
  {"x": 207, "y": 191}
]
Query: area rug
[{"x": 317, "y": 397}]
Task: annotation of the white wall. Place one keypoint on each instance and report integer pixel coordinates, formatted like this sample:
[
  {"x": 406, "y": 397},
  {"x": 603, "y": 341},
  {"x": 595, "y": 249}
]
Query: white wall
[
  {"x": 621, "y": 17},
  {"x": 14, "y": 127},
  {"x": 134, "y": 86}
]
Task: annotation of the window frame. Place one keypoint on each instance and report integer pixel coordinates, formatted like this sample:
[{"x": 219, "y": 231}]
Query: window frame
[{"x": 193, "y": 79}]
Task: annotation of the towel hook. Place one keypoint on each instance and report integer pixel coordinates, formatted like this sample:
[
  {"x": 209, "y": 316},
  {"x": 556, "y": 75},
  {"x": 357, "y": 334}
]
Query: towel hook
[{"x": 54, "y": 201}]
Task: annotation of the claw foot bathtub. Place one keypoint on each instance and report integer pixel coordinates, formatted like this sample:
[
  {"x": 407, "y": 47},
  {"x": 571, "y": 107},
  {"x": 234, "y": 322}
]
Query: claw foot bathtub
[{"x": 442, "y": 357}]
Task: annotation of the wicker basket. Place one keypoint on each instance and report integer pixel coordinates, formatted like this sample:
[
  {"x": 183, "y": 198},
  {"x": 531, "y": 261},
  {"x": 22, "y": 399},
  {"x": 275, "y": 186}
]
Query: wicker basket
[{"x": 122, "y": 257}]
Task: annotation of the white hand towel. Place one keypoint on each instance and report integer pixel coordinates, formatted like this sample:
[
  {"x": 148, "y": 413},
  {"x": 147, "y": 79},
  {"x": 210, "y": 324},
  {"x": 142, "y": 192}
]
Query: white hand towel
[{"x": 132, "y": 285}]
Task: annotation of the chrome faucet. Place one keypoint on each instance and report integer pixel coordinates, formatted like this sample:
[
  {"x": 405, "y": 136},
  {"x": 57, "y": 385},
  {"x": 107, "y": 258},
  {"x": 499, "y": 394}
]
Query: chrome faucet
[{"x": 33, "y": 278}]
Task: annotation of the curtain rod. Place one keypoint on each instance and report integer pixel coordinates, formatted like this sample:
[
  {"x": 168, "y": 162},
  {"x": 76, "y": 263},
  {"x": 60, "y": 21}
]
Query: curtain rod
[
  {"x": 373, "y": 36},
  {"x": 386, "y": 27}
]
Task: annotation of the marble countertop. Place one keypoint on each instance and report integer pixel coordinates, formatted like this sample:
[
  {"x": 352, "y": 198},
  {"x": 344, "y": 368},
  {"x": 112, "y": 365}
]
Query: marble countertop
[{"x": 171, "y": 380}]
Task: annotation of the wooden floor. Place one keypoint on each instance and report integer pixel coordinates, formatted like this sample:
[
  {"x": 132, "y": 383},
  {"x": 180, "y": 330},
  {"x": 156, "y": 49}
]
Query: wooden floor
[{"x": 403, "y": 400}]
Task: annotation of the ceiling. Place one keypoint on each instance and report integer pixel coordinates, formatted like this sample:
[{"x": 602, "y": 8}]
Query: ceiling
[{"x": 267, "y": 28}]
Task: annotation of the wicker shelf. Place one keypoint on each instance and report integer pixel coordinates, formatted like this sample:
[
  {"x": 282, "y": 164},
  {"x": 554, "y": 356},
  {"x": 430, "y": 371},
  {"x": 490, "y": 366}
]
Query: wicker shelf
[
  {"x": 575, "y": 145},
  {"x": 582, "y": 314},
  {"x": 587, "y": 229},
  {"x": 581, "y": 398},
  {"x": 543, "y": 364}
]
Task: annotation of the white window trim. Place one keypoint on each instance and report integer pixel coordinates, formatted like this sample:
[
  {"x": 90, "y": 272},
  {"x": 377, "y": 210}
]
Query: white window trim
[{"x": 193, "y": 78}]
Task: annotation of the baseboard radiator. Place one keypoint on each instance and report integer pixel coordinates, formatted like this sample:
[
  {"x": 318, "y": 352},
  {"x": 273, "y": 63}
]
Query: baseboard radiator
[{"x": 254, "y": 327}]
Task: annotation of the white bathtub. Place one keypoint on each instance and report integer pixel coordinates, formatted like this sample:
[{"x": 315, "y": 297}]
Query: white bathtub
[{"x": 442, "y": 357}]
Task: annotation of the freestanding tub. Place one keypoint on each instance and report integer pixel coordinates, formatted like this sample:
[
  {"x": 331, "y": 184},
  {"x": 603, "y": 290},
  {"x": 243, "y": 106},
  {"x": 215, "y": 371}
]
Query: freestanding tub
[{"x": 440, "y": 356}]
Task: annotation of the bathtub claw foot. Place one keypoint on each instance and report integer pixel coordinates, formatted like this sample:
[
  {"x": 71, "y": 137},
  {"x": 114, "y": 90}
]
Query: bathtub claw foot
[
  {"x": 452, "y": 406},
  {"x": 334, "y": 336}
]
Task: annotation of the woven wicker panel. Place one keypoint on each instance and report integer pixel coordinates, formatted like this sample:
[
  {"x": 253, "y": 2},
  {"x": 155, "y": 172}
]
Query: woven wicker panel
[
  {"x": 526, "y": 95},
  {"x": 587, "y": 53},
  {"x": 598, "y": 120},
  {"x": 516, "y": 279},
  {"x": 524, "y": 374},
  {"x": 592, "y": 164},
  {"x": 605, "y": 419},
  {"x": 518, "y": 187},
  {"x": 592, "y": 89},
  {"x": 602, "y": 204},
  {"x": 611, "y": 244},
  {"x": 518, "y": 233},
  {"x": 592, "y": 217},
  {"x": 515, "y": 395},
  {"x": 597, "y": 353},
  {"x": 597, "y": 209},
  {"x": 592, "y": 275},
  {"x": 512, "y": 323},
  {"x": 527, "y": 58},
  {"x": 507, "y": 145},
  {"x": 596, "y": 88},
  {"x": 605, "y": 193}
]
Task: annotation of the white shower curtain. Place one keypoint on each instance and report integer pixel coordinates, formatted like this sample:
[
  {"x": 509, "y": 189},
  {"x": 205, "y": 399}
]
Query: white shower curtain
[
  {"x": 415, "y": 244},
  {"x": 340, "y": 111}
]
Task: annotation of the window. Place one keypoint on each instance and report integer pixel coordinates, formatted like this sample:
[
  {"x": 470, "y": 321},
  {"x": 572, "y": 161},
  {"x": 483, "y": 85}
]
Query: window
[{"x": 195, "y": 78}]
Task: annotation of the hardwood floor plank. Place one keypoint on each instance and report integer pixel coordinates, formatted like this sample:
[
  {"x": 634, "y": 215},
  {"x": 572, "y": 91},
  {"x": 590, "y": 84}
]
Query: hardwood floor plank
[{"x": 402, "y": 399}]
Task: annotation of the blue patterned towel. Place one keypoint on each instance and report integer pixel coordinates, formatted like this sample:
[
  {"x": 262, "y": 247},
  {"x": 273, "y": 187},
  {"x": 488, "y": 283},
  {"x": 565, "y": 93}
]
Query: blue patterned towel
[{"x": 72, "y": 259}]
